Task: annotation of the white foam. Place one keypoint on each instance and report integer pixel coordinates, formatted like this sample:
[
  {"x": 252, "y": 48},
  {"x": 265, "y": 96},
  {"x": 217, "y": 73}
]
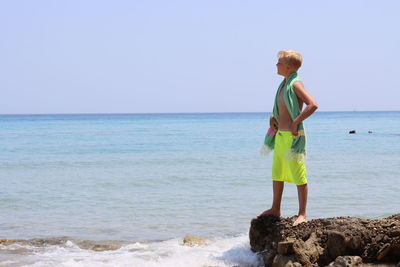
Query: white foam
[{"x": 226, "y": 252}]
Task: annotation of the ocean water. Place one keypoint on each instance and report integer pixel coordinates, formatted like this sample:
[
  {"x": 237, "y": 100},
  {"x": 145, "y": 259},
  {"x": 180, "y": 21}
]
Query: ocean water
[{"x": 144, "y": 181}]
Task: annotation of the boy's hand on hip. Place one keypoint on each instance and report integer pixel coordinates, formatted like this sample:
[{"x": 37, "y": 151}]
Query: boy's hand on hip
[
  {"x": 273, "y": 123},
  {"x": 293, "y": 129}
]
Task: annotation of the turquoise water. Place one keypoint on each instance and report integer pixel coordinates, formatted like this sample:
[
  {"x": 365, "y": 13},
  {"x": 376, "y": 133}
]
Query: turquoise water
[{"x": 156, "y": 177}]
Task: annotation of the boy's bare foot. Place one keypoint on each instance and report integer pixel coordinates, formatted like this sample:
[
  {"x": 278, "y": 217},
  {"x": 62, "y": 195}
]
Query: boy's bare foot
[
  {"x": 269, "y": 212},
  {"x": 300, "y": 219}
]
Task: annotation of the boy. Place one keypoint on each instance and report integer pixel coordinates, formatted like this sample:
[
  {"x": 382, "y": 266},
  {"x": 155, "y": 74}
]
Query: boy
[{"x": 286, "y": 134}]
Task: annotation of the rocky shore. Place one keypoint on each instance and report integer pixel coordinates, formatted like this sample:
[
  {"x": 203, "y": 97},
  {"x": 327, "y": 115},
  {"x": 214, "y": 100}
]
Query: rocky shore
[
  {"x": 340, "y": 241},
  {"x": 61, "y": 241}
]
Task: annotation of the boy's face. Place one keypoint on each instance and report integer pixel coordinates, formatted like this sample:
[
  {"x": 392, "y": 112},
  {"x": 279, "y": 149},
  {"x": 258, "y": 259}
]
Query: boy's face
[{"x": 283, "y": 67}]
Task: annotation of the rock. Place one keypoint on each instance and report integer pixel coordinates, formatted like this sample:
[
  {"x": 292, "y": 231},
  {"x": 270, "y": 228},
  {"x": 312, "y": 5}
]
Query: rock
[
  {"x": 354, "y": 243},
  {"x": 352, "y": 132},
  {"x": 336, "y": 244},
  {"x": 394, "y": 233},
  {"x": 57, "y": 241},
  {"x": 193, "y": 240},
  {"x": 268, "y": 257},
  {"x": 104, "y": 247},
  {"x": 264, "y": 231},
  {"x": 308, "y": 252},
  {"x": 283, "y": 261},
  {"x": 285, "y": 247},
  {"x": 395, "y": 250},
  {"x": 54, "y": 241},
  {"x": 320, "y": 242},
  {"x": 383, "y": 252},
  {"x": 7, "y": 242},
  {"x": 346, "y": 261}
]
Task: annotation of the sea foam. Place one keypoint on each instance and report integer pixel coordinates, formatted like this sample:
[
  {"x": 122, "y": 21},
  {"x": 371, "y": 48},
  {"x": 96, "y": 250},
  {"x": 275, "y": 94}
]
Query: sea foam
[{"x": 221, "y": 252}]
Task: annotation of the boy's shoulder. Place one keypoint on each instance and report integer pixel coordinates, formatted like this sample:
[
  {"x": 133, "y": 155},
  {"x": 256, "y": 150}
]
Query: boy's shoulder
[
  {"x": 294, "y": 79},
  {"x": 298, "y": 87},
  {"x": 298, "y": 84}
]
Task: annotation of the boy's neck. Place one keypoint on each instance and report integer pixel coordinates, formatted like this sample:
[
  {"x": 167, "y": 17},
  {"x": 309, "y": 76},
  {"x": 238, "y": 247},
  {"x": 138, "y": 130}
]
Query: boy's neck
[{"x": 288, "y": 75}]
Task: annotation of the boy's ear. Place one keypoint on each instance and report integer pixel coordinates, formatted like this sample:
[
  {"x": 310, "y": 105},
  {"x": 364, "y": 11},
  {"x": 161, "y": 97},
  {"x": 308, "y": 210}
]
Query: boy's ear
[{"x": 289, "y": 67}]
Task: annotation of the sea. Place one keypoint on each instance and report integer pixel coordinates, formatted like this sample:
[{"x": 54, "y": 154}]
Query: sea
[{"x": 139, "y": 183}]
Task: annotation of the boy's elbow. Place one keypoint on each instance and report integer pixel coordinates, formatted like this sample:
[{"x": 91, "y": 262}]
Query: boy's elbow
[{"x": 314, "y": 106}]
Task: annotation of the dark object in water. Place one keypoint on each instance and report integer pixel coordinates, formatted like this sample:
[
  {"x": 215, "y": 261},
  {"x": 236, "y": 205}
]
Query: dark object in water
[
  {"x": 369, "y": 131},
  {"x": 352, "y": 132}
]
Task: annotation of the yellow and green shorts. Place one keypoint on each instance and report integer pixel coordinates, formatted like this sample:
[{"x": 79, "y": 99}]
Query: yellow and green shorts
[{"x": 283, "y": 168}]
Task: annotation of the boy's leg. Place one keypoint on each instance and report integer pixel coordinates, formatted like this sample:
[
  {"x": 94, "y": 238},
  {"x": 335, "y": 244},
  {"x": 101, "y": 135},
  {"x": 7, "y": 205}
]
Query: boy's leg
[
  {"x": 276, "y": 204},
  {"x": 302, "y": 191}
]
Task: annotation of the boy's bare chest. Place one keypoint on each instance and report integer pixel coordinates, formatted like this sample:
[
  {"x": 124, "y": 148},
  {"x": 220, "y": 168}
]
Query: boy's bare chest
[{"x": 282, "y": 104}]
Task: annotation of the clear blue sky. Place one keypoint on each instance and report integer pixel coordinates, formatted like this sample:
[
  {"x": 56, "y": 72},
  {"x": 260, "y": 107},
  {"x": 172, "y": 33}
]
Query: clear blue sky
[{"x": 194, "y": 56}]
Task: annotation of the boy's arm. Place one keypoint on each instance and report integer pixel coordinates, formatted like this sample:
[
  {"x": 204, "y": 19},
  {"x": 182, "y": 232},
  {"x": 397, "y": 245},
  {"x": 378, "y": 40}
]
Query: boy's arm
[
  {"x": 273, "y": 123},
  {"x": 311, "y": 107}
]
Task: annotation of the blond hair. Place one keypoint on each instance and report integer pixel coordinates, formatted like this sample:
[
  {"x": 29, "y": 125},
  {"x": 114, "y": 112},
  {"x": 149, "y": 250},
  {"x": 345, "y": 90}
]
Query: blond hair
[{"x": 291, "y": 57}]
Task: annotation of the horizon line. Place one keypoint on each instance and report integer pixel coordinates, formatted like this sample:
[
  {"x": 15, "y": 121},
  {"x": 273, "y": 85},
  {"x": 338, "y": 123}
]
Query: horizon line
[{"x": 166, "y": 113}]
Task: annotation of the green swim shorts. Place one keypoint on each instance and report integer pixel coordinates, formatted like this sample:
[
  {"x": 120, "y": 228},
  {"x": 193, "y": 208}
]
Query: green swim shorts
[{"x": 283, "y": 168}]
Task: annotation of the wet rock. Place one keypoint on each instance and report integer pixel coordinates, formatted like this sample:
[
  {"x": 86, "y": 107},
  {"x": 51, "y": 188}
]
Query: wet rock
[
  {"x": 354, "y": 244},
  {"x": 268, "y": 257},
  {"x": 265, "y": 231},
  {"x": 193, "y": 240},
  {"x": 104, "y": 247},
  {"x": 336, "y": 244},
  {"x": 383, "y": 252},
  {"x": 285, "y": 247},
  {"x": 37, "y": 242},
  {"x": 394, "y": 233},
  {"x": 7, "y": 242},
  {"x": 283, "y": 261},
  {"x": 352, "y": 132},
  {"x": 320, "y": 242},
  {"x": 346, "y": 261},
  {"x": 53, "y": 241},
  {"x": 61, "y": 241},
  {"x": 308, "y": 252}
]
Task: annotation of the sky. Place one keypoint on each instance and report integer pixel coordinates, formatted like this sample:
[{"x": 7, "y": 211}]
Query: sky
[{"x": 175, "y": 56}]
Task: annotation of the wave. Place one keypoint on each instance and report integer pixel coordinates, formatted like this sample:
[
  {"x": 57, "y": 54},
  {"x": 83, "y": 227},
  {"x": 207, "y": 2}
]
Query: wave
[{"x": 67, "y": 252}]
